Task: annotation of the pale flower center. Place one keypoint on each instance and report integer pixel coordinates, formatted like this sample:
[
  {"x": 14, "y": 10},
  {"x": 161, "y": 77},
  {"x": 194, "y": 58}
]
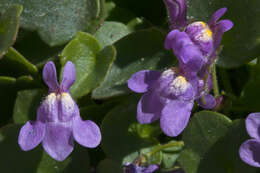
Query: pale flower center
[
  {"x": 205, "y": 33},
  {"x": 179, "y": 85}
]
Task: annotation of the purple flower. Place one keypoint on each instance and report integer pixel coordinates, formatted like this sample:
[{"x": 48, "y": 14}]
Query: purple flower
[
  {"x": 250, "y": 150},
  {"x": 195, "y": 46},
  {"x": 131, "y": 168},
  {"x": 205, "y": 37},
  {"x": 58, "y": 121},
  {"x": 168, "y": 96}
]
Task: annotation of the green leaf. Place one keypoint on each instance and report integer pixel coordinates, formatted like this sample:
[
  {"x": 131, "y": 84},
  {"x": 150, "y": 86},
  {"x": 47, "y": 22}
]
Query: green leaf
[
  {"x": 137, "y": 51},
  {"x": 109, "y": 165},
  {"x": 27, "y": 110},
  {"x": 91, "y": 64},
  {"x": 57, "y": 21},
  {"x": 212, "y": 143},
  {"x": 204, "y": 129},
  {"x": 224, "y": 156},
  {"x": 170, "y": 155},
  {"x": 36, "y": 160},
  {"x": 16, "y": 60},
  {"x": 9, "y": 24},
  {"x": 118, "y": 141},
  {"x": 241, "y": 43},
  {"x": 110, "y": 32}
]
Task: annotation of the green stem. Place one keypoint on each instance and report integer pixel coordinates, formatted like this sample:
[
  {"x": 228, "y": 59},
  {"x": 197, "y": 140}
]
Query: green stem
[
  {"x": 215, "y": 81},
  {"x": 168, "y": 145}
]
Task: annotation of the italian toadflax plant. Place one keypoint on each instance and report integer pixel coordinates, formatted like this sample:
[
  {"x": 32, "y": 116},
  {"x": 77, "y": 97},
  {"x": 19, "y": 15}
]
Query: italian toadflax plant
[
  {"x": 58, "y": 121},
  {"x": 170, "y": 95}
]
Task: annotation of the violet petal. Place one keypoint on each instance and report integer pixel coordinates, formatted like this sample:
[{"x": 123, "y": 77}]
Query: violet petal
[
  {"x": 221, "y": 27},
  {"x": 31, "y": 135},
  {"x": 217, "y": 15},
  {"x": 140, "y": 81},
  {"x": 253, "y": 125},
  {"x": 50, "y": 77},
  {"x": 188, "y": 54},
  {"x": 177, "y": 10},
  {"x": 249, "y": 152},
  {"x": 149, "y": 108},
  {"x": 86, "y": 133},
  {"x": 58, "y": 140},
  {"x": 210, "y": 101},
  {"x": 151, "y": 168},
  {"x": 69, "y": 76},
  {"x": 175, "y": 117}
]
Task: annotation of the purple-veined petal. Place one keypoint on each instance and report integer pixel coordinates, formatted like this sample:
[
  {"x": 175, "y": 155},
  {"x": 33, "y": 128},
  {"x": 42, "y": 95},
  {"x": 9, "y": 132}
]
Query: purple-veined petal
[
  {"x": 31, "y": 135},
  {"x": 175, "y": 117},
  {"x": 177, "y": 10},
  {"x": 221, "y": 27},
  {"x": 149, "y": 108},
  {"x": 48, "y": 110},
  {"x": 249, "y": 152},
  {"x": 210, "y": 101},
  {"x": 217, "y": 15},
  {"x": 189, "y": 55},
  {"x": 151, "y": 168},
  {"x": 69, "y": 76},
  {"x": 58, "y": 140},
  {"x": 140, "y": 81},
  {"x": 253, "y": 125},
  {"x": 67, "y": 107},
  {"x": 86, "y": 133},
  {"x": 50, "y": 77}
]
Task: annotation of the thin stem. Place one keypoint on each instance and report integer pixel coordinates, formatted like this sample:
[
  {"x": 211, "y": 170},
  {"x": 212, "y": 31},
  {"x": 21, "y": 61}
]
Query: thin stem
[
  {"x": 168, "y": 145},
  {"x": 215, "y": 81}
]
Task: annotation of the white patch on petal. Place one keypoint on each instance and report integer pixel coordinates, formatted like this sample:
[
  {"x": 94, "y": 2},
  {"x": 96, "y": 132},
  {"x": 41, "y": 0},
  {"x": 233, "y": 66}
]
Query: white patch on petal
[
  {"x": 179, "y": 85},
  {"x": 66, "y": 101},
  {"x": 205, "y": 33},
  {"x": 167, "y": 73}
]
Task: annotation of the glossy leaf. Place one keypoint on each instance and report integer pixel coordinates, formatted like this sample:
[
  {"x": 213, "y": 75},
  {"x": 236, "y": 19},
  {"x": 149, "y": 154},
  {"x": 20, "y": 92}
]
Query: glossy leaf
[
  {"x": 9, "y": 24},
  {"x": 110, "y": 32},
  {"x": 27, "y": 110},
  {"x": 204, "y": 129},
  {"x": 118, "y": 141},
  {"x": 92, "y": 63},
  {"x": 57, "y": 21},
  {"x": 137, "y": 51}
]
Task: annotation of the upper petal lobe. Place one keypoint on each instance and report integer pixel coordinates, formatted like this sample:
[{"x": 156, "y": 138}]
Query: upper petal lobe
[
  {"x": 69, "y": 76},
  {"x": 50, "y": 77}
]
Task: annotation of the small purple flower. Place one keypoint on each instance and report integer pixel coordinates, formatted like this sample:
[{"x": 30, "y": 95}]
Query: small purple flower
[
  {"x": 205, "y": 37},
  {"x": 58, "y": 121},
  {"x": 195, "y": 46},
  {"x": 131, "y": 168},
  {"x": 250, "y": 150},
  {"x": 168, "y": 96}
]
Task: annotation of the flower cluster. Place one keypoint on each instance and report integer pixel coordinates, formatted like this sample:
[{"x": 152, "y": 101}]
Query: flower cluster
[
  {"x": 58, "y": 121},
  {"x": 250, "y": 149},
  {"x": 170, "y": 95}
]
